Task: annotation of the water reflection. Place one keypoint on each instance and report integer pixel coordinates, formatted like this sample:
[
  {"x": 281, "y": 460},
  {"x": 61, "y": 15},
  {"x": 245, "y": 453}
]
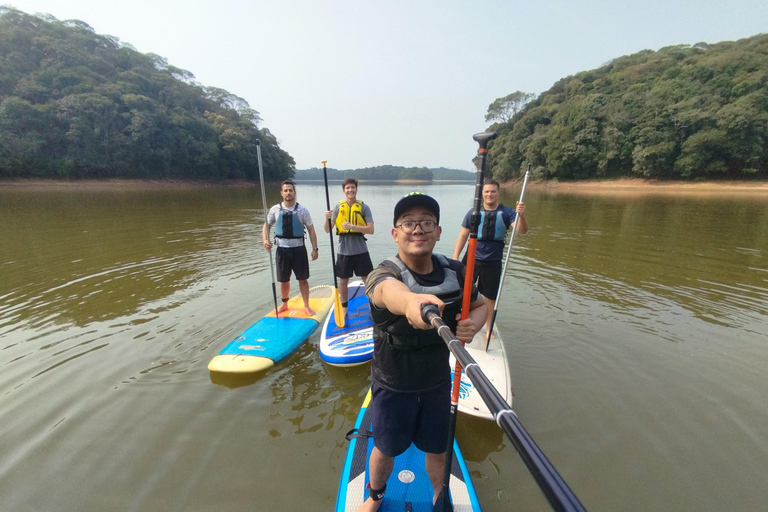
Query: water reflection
[{"x": 636, "y": 252}]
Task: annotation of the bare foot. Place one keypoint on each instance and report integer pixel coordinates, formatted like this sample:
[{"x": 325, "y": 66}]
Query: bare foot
[
  {"x": 344, "y": 310},
  {"x": 309, "y": 310},
  {"x": 369, "y": 506},
  {"x": 283, "y": 308}
]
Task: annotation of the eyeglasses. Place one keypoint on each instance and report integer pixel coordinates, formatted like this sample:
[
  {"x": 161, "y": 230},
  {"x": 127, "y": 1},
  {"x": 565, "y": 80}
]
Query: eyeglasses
[{"x": 409, "y": 226}]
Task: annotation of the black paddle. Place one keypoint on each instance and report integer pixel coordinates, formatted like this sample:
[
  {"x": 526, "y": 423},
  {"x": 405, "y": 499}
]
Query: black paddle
[
  {"x": 338, "y": 312},
  {"x": 557, "y": 492}
]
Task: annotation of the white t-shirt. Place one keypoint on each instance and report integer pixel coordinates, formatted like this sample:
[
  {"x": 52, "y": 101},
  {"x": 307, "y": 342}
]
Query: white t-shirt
[{"x": 303, "y": 216}]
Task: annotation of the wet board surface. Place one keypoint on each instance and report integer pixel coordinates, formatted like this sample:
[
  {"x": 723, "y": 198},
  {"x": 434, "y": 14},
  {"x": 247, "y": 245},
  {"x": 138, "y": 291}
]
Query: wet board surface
[
  {"x": 352, "y": 344},
  {"x": 495, "y": 366},
  {"x": 408, "y": 487},
  {"x": 273, "y": 338}
]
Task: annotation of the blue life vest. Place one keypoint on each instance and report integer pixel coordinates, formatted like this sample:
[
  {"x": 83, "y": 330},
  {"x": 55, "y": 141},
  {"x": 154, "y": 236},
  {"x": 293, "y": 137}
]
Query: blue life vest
[
  {"x": 287, "y": 223},
  {"x": 492, "y": 226}
]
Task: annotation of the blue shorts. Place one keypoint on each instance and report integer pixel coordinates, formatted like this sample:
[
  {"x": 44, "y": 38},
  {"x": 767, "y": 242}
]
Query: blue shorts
[{"x": 400, "y": 419}]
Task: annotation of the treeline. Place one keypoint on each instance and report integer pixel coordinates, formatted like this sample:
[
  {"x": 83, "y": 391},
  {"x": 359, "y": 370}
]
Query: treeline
[
  {"x": 386, "y": 173},
  {"x": 683, "y": 112},
  {"x": 76, "y": 104}
]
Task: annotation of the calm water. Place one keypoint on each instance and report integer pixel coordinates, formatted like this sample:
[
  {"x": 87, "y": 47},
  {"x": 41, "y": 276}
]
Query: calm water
[{"x": 637, "y": 331}]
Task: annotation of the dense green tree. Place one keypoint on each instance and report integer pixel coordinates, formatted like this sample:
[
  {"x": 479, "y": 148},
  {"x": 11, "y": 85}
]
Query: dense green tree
[
  {"x": 77, "y": 104},
  {"x": 682, "y": 112}
]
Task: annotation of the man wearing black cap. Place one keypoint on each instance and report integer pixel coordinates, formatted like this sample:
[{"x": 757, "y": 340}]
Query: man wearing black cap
[{"x": 410, "y": 373}]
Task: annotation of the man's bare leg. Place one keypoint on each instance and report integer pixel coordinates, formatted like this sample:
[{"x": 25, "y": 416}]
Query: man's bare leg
[
  {"x": 379, "y": 468},
  {"x": 344, "y": 292},
  {"x": 434, "y": 463},
  {"x": 304, "y": 289},
  {"x": 285, "y": 292},
  {"x": 491, "y": 303}
]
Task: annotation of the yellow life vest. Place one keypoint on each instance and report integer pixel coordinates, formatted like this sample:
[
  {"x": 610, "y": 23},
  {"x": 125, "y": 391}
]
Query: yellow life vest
[{"x": 353, "y": 215}]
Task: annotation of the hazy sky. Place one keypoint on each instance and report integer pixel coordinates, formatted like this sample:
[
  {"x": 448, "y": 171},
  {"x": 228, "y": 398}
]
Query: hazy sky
[{"x": 364, "y": 83}]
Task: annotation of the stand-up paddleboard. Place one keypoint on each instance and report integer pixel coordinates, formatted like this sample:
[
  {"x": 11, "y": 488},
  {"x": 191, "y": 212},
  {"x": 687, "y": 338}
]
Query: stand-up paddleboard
[
  {"x": 352, "y": 344},
  {"x": 408, "y": 487},
  {"x": 495, "y": 366},
  {"x": 272, "y": 338}
]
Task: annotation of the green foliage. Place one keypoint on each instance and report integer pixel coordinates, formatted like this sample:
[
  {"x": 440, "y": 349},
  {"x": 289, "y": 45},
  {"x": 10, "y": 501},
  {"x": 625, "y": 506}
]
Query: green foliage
[
  {"x": 77, "y": 104},
  {"x": 682, "y": 112},
  {"x": 504, "y": 109}
]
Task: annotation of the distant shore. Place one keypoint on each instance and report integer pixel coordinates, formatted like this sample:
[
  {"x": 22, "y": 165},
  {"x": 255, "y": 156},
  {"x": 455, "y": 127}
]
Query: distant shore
[
  {"x": 635, "y": 187},
  {"x": 628, "y": 187}
]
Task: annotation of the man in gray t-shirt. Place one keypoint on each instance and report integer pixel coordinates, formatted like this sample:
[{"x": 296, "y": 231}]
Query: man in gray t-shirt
[{"x": 353, "y": 220}]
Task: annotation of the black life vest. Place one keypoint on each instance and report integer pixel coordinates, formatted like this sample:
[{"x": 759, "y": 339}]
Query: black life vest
[{"x": 400, "y": 334}]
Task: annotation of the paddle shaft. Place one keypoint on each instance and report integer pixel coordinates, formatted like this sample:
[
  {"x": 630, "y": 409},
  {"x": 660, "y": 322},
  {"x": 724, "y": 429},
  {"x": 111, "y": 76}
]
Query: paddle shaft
[
  {"x": 330, "y": 226},
  {"x": 506, "y": 260},
  {"x": 266, "y": 214},
  {"x": 443, "y": 501},
  {"x": 561, "y": 498}
]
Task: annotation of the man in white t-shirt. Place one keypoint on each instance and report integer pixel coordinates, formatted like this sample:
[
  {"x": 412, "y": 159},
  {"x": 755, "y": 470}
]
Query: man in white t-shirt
[{"x": 290, "y": 220}]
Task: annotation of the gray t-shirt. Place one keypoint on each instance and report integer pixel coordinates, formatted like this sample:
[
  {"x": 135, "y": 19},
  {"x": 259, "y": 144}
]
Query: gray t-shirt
[
  {"x": 304, "y": 217},
  {"x": 349, "y": 245}
]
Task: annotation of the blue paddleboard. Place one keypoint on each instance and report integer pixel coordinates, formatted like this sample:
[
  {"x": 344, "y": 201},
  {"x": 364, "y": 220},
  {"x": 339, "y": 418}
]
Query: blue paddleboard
[
  {"x": 274, "y": 337},
  {"x": 352, "y": 344},
  {"x": 408, "y": 487}
]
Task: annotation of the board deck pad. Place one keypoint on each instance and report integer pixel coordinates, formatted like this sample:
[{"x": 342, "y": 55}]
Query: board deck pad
[
  {"x": 495, "y": 366},
  {"x": 273, "y": 338},
  {"x": 352, "y": 344},
  {"x": 408, "y": 487}
]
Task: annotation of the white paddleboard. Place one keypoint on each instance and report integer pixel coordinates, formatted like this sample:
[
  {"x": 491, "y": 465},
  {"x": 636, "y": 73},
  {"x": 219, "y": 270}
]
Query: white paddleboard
[{"x": 495, "y": 366}]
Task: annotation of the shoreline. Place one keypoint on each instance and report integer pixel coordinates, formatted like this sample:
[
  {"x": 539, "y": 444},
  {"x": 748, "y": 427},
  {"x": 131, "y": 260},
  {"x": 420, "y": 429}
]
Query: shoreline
[
  {"x": 637, "y": 187},
  {"x": 618, "y": 187}
]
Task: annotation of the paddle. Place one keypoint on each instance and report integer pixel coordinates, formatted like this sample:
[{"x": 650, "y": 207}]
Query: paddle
[
  {"x": 557, "y": 492},
  {"x": 443, "y": 502},
  {"x": 506, "y": 261},
  {"x": 338, "y": 312},
  {"x": 266, "y": 213}
]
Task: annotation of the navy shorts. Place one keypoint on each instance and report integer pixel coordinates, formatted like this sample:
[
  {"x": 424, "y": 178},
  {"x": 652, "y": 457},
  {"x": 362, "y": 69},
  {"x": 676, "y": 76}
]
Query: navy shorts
[
  {"x": 292, "y": 259},
  {"x": 487, "y": 276},
  {"x": 400, "y": 419},
  {"x": 357, "y": 264}
]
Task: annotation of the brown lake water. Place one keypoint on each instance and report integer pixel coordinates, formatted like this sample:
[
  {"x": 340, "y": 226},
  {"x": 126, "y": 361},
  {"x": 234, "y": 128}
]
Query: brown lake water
[{"x": 637, "y": 331}]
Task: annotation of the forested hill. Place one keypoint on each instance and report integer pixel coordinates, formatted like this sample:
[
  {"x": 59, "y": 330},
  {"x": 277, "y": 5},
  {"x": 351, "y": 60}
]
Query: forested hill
[
  {"x": 683, "y": 112},
  {"x": 387, "y": 173},
  {"x": 77, "y": 104}
]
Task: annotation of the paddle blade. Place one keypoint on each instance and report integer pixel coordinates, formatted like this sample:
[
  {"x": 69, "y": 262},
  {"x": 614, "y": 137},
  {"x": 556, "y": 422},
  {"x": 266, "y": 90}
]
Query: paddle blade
[{"x": 338, "y": 310}]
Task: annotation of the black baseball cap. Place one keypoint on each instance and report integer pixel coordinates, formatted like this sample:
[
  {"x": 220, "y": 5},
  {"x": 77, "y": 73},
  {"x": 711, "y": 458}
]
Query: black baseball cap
[{"x": 412, "y": 199}]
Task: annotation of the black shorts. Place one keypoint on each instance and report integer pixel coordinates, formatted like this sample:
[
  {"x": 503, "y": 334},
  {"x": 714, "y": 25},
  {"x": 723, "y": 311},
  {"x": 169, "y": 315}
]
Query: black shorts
[
  {"x": 400, "y": 419},
  {"x": 487, "y": 276},
  {"x": 357, "y": 264},
  {"x": 292, "y": 258}
]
